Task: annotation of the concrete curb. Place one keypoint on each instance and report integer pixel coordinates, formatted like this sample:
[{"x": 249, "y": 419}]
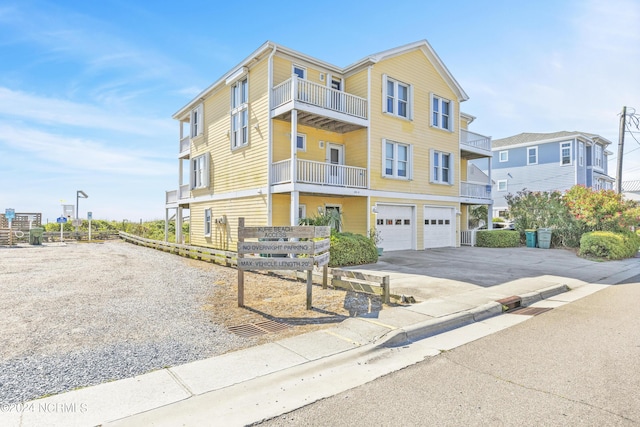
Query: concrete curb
[
  {"x": 427, "y": 328},
  {"x": 533, "y": 297}
]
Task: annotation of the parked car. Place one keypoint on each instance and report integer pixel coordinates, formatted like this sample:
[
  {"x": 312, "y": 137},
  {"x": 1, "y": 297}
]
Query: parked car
[{"x": 499, "y": 226}]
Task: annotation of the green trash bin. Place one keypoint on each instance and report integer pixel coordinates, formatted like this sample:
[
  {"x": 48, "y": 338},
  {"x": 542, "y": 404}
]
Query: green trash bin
[
  {"x": 531, "y": 238},
  {"x": 35, "y": 236},
  {"x": 544, "y": 238}
]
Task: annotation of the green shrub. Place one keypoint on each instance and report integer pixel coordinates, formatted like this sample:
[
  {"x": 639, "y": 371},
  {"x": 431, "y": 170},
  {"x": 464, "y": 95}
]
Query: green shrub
[
  {"x": 351, "y": 249},
  {"x": 609, "y": 245},
  {"x": 497, "y": 239}
]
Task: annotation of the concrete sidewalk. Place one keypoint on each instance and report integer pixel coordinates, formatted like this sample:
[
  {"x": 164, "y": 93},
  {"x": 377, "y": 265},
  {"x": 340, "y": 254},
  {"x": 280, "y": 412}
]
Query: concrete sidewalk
[{"x": 265, "y": 381}]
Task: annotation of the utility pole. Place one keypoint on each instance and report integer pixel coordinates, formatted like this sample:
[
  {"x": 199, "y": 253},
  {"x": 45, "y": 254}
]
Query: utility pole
[{"x": 621, "y": 148}]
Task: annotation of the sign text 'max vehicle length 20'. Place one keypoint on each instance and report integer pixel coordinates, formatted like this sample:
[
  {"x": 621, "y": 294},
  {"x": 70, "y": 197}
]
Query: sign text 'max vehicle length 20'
[{"x": 316, "y": 251}]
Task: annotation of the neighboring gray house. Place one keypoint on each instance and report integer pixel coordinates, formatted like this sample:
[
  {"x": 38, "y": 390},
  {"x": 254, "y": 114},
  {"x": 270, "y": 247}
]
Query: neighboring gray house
[{"x": 547, "y": 162}]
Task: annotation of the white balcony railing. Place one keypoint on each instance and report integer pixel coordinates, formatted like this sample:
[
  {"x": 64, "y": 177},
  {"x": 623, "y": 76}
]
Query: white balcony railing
[
  {"x": 185, "y": 145},
  {"x": 320, "y": 173},
  {"x": 475, "y": 190},
  {"x": 475, "y": 140},
  {"x": 174, "y": 196},
  {"x": 320, "y": 96}
]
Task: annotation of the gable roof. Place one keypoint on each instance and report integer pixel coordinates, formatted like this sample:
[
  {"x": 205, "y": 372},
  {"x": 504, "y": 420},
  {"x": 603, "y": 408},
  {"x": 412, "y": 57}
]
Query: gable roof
[
  {"x": 270, "y": 46},
  {"x": 428, "y": 51},
  {"x": 531, "y": 138}
]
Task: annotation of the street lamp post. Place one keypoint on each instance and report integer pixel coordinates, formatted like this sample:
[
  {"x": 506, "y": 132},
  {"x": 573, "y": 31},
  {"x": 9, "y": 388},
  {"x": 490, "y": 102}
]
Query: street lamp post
[{"x": 79, "y": 195}]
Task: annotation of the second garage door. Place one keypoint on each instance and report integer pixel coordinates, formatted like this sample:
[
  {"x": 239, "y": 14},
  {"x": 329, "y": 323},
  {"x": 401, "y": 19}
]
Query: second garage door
[
  {"x": 395, "y": 224},
  {"x": 439, "y": 228}
]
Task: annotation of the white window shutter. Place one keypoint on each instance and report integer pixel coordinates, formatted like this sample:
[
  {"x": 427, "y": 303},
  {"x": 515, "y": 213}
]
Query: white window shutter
[
  {"x": 192, "y": 173},
  {"x": 207, "y": 171},
  {"x": 432, "y": 153},
  {"x": 410, "y": 172},
  {"x": 384, "y": 93},
  {"x": 384, "y": 157},
  {"x": 410, "y": 102},
  {"x": 452, "y": 168},
  {"x": 453, "y": 116},
  {"x": 200, "y": 120},
  {"x": 431, "y": 109}
]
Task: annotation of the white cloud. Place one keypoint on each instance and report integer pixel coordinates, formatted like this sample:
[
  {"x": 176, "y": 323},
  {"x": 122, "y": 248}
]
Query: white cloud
[
  {"x": 76, "y": 154},
  {"x": 33, "y": 108}
]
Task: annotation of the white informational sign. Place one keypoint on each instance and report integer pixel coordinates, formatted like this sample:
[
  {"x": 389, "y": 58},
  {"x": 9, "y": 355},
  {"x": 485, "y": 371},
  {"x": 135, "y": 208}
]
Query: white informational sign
[{"x": 69, "y": 211}]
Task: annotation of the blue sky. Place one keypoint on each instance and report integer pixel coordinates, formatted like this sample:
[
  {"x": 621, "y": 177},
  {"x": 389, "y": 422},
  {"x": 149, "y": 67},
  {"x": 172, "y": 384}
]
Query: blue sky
[{"x": 87, "y": 89}]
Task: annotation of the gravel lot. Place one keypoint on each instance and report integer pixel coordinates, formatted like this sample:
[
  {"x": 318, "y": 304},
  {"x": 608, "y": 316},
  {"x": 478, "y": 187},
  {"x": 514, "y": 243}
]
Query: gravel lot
[{"x": 81, "y": 314}]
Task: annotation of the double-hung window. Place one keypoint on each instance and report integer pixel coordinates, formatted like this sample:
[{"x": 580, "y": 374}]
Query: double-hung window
[
  {"x": 207, "y": 222},
  {"x": 441, "y": 167},
  {"x": 598, "y": 156},
  {"x": 196, "y": 121},
  {"x": 397, "y": 160},
  {"x": 441, "y": 113},
  {"x": 581, "y": 153},
  {"x": 532, "y": 155},
  {"x": 240, "y": 114},
  {"x": 565, "y": 153},
  {"x": 200, "y": 171},
  {"x": 397, "y": 98}
]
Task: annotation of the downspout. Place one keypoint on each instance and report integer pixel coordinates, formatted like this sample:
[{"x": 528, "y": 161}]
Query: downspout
[{"x": 270, "y": 135}]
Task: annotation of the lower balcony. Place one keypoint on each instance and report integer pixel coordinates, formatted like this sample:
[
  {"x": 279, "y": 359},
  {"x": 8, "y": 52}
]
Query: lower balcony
[
  {"x": 320, "y": 173},
  {"x": 174, "y": 197},
  {"x": 472, "y": 191}
]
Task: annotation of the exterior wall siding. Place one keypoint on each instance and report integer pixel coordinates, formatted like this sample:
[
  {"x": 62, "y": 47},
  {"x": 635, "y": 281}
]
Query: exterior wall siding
[
  {"x": 225, "y": 236},
  {"x": 412, "y": 68},
  {"x": 541, "y": 177}
]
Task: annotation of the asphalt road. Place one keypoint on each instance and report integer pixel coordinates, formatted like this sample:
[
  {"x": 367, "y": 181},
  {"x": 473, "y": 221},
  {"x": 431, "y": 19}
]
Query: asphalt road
[{"x": 578, "y": 364}]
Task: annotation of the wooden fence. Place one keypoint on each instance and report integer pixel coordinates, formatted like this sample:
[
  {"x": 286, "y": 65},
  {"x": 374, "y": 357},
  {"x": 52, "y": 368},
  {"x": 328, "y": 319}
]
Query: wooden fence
[
  {"x": 226, "y": 258},
  {"x": 370, "y": 284},
  {"x": 5, "y": 233}
]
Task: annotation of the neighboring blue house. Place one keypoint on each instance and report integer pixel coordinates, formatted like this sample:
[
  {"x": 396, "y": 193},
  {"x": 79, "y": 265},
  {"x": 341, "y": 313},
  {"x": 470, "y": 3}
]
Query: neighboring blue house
[{"x": 547, "y": 162}]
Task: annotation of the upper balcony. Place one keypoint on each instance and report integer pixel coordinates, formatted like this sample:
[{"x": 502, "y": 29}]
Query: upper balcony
[
  {"x": 473, "y": 145},
  {"x": 185, "y": 148},
  {"x": 319, "y": 106}
]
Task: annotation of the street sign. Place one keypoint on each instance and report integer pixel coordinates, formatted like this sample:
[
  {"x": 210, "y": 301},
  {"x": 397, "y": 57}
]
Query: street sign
[
  {"x": 76, "y": 222},
  {"x": 10, "y": 214},
  {"x": 283, "y": 232},
  {"x": 275, "y": 263},
  {"x": 89, "y": 215},
  {"x": 275, "y": 247},
  {"x": 61, "y": 220}
]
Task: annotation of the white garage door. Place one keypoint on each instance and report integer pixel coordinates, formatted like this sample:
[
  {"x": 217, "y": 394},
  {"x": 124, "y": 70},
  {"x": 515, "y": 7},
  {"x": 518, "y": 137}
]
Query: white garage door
[
  {"x": 395, "y": 224},
  {"x": 439, "y": 227}
]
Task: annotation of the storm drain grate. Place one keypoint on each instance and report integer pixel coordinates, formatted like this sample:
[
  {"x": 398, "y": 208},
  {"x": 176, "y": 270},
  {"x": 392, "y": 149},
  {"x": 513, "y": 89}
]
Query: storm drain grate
[
  {"x": 254, "y": 329},
  {"x": 529, "y": 311}
]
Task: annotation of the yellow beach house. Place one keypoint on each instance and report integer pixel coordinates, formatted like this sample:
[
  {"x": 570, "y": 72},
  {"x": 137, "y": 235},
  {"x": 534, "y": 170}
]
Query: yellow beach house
[{"x": 284, "y": 136}]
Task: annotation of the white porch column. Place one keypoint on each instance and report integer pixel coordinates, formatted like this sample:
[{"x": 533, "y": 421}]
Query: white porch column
[
  {"x": 295, "y": 206},
  {"x": 295, "y": 196},
  {"x": 179, "y": 225},
  {"x": 490, "y": 207},
  {"x": 166, "y": 224}
]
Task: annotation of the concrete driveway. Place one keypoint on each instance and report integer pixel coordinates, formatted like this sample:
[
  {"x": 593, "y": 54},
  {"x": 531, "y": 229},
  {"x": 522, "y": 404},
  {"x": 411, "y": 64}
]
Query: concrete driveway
[{"x": 436, "y": 273}]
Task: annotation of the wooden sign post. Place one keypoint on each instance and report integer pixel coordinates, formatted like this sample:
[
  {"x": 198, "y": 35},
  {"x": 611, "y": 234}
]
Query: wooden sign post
[{"x": 276, "y": 241}]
